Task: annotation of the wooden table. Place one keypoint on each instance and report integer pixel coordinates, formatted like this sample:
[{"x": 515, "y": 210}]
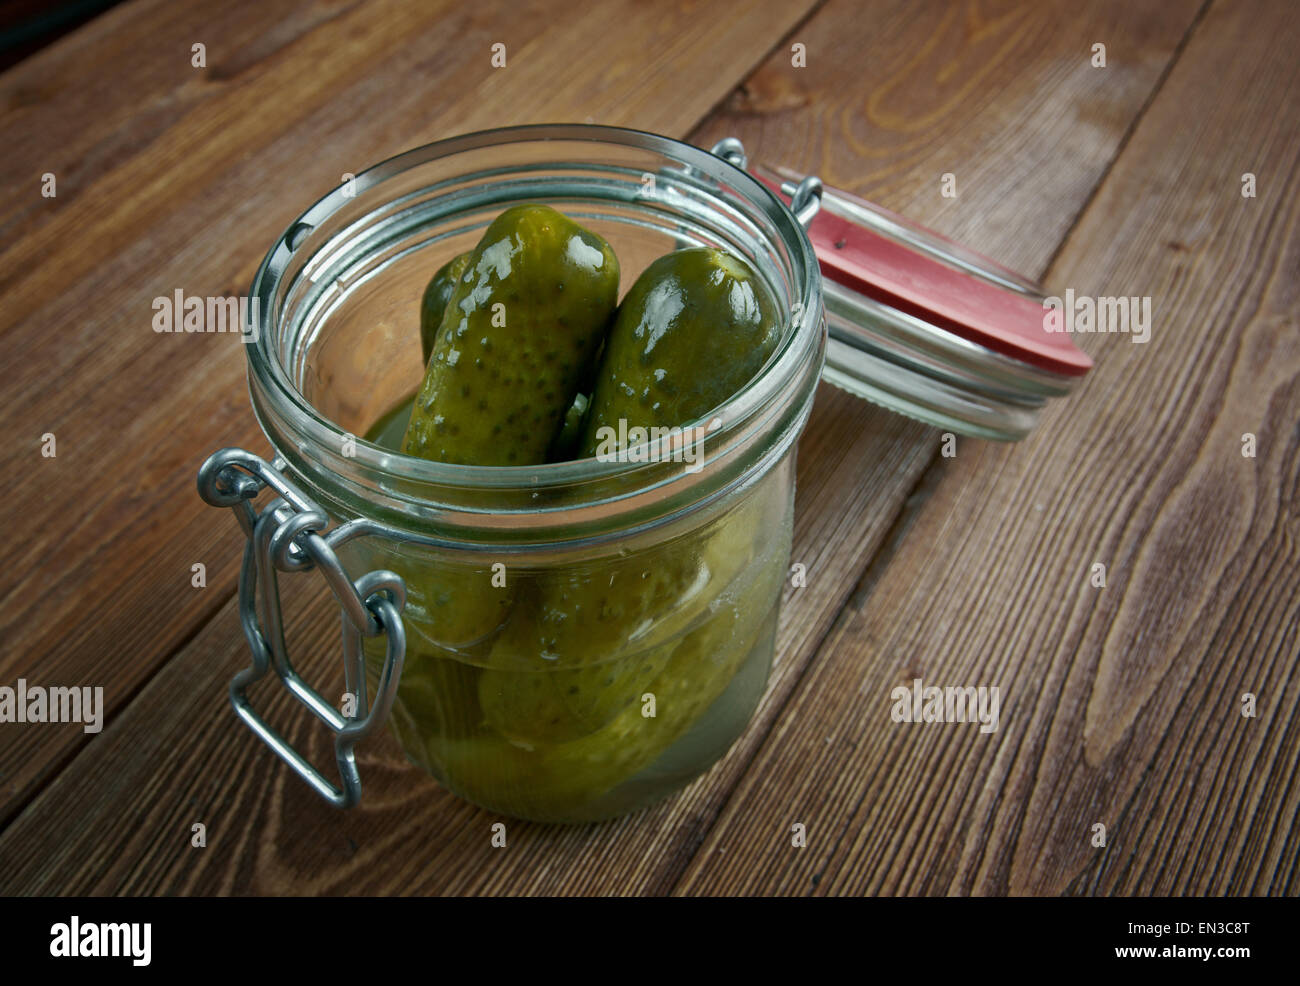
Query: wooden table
[{"x": 1121, "y": 705}]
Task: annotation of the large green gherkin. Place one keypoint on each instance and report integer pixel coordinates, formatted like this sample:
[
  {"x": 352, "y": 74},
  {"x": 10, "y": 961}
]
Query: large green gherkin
[
  {"x": 523, "y": 322},
  {"x": 694, "y": 329},
  {"x": 518, "y": 336}
]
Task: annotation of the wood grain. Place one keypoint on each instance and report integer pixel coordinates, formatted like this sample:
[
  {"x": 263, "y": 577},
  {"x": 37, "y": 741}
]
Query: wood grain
[
  {"x": 897, "y": 95},
  {"x": 176, "y": 755},
  {"x": 89, "y": 104},
  {"x": 96, "y": 590},
  {"x": 1121, "y": 705}
]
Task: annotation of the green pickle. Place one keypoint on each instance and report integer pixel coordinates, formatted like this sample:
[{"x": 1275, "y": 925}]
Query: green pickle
[
  {"x": 696, "y": 326},
  {"x": 592, "y": 674},
  {"x": 694, "y": 329},
  {"x": 519, "y": 334}
]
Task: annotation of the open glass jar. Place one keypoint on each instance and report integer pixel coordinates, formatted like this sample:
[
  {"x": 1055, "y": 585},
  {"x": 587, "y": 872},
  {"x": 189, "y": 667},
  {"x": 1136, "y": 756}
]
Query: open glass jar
[{"x": 562, "y": 642}]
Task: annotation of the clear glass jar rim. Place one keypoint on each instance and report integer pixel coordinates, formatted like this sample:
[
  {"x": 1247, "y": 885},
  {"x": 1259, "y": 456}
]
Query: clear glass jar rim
[{"x": 781, "y": 373}]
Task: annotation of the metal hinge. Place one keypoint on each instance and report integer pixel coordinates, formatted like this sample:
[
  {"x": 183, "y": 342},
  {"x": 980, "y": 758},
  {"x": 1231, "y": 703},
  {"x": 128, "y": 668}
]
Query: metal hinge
[{"x": 805, "y": 198}]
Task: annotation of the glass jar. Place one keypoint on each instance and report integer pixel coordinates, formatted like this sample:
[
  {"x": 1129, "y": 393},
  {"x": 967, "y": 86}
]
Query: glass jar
[{"x": 581, "y": 638}]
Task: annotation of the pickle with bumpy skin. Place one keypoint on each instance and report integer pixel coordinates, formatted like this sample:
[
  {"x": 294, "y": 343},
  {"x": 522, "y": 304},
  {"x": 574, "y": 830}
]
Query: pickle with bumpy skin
[
  {"x": 694, "y": 329},
  {"x": 546, "y": 719},
  {"x": 433, "y": 305},
  {"x": 517, "y": 338},
  {"x": 439, "y": 694},
  {"x": 555, "y": 705},
  {"x": 518, "y": 335},
  {"x": 451, "y": 608},
  {"x": 593, "y": 611}
]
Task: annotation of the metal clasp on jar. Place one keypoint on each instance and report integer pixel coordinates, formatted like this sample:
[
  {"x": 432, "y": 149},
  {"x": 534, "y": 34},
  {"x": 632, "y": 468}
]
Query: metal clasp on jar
[{"x": 286, "y": 537}]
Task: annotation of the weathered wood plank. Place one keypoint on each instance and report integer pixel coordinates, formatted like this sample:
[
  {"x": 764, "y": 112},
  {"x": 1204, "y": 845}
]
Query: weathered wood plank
[
  {"x": 178, "y": 754},
  {"x": 1121, "y": 705},
  {"x": 52, "y": 119},
  {"x": 96, "y": 589}
]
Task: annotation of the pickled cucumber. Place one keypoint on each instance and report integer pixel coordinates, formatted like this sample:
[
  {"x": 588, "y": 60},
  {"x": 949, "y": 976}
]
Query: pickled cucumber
[
  {"x": 436, "y": 296},
  {"x": 694, "y": 329},
  {"x": 451, "y": 608},
  {"x": 519, "y": 334},
  {"x": 591, "y": 612},
  {"x": 546, "y": 706},
  {"x": 438, "y": 694},
  {"x": 521, "y": 329}
]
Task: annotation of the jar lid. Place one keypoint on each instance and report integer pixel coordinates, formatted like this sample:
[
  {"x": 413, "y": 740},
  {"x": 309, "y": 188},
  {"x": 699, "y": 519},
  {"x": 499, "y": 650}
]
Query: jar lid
[{"x": 927, "y": 327}]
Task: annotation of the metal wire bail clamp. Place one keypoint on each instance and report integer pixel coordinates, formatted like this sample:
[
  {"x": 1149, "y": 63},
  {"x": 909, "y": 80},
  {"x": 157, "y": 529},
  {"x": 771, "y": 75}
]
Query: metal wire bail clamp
[{"x": 286, "y": 537}]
